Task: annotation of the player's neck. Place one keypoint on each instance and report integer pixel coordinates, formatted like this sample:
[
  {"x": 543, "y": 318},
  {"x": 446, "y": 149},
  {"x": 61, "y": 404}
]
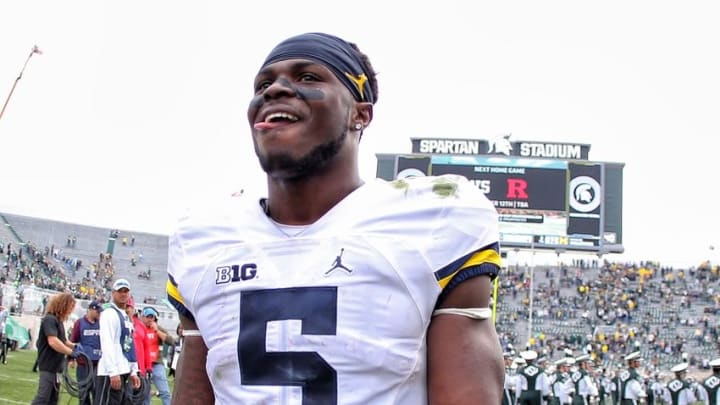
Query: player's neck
[{"x": 305, "y": 202}]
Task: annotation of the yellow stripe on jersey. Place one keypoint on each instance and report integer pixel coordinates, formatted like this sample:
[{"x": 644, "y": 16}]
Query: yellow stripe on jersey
[
  {"x": 484, "y": 256},
  {"x": 176, "y": 299},
  {"x": 443, "y": 282},
  {"x": 173, "y": 292},
  {"x": 487, "y": 255}
]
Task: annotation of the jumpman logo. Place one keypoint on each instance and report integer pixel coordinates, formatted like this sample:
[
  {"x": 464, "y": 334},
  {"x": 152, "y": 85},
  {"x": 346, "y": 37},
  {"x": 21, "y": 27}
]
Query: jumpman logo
[{"x": 337, "y": 264}]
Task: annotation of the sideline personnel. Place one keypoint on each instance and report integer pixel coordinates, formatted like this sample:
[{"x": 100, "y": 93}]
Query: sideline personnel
[
  {"x": 53, "y": 346},
  {"x": 118, "y": 362},
  {"x": 86, "y": 331}
]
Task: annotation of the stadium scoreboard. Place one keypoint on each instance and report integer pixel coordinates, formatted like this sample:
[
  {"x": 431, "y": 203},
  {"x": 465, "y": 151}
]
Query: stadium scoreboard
[{"x": 548, "y": 195}]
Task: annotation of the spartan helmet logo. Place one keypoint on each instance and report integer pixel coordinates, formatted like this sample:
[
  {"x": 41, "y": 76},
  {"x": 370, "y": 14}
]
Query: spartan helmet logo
[
  {"x": 500, "y": 144},
  {"x": 584, "y": 194}
]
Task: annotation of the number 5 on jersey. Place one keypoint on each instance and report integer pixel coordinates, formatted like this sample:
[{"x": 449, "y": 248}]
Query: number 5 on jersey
[{"x": 316, "y": 308}]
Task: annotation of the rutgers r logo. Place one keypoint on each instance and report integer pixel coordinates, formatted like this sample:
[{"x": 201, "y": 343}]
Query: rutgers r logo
[{"x": 231, "y": 274}]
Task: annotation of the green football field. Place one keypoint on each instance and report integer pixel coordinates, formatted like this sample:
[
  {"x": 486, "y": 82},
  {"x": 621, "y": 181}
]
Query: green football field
[{"x": 18, "y": 383}]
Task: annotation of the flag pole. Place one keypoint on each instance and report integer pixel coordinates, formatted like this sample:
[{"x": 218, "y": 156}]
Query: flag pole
[{"x": 32, "y": 52}]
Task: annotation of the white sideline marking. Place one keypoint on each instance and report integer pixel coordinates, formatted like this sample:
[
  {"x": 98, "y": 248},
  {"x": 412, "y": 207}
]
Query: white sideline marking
[
  {"x": 5, "y": 400},
  {"x": 5, "y": 376}
]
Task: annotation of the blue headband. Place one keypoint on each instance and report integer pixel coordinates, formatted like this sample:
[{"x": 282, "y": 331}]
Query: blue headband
[{"x": 333, "y": 52}]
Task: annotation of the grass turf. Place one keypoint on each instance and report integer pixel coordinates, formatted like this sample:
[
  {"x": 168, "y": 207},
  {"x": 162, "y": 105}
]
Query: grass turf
[{"x": 18, "y": 383}]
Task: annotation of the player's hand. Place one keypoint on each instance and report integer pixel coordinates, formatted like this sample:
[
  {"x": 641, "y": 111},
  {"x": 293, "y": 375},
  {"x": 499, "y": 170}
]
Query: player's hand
[
  {"x": 115, "y": 382},
  {"x": 135, "y": 380}
]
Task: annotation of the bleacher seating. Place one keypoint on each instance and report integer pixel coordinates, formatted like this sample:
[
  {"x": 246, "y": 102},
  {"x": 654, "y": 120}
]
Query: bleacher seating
[
  {"x": 574, "y": 305},
  {"x": 566, "y": 317},
  {"x": 86, "y": 243}
]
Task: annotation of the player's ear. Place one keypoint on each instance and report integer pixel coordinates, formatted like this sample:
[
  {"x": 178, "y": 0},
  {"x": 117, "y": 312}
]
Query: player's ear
[{"x": 363, "y": 114}]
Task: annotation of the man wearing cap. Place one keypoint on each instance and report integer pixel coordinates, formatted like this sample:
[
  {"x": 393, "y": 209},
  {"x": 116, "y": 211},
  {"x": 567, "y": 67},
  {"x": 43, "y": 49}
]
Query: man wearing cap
[
  {"x": 118, "y": 362},
  {"x": 678, "y": 390},
  {"x": 543, "y": 363},
  {"x": 629, "y": 381},
  {"x": 582, "y": 380},
  {"x": 510, "y": 376},
  {"x": 709, "y": 390},
  {"x": 562, "y": 385},
  {"x": 86, "y": 331},
  {"x": 532, "y": 385},
  {"x": 157, "y": 336}
]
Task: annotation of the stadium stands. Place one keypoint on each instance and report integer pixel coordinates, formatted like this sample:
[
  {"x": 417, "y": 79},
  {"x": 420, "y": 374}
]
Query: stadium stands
[
  {"x": 69, "y": 244},
  {"x": 670, "y": 315},
  {"x": 604, "y": 309}
]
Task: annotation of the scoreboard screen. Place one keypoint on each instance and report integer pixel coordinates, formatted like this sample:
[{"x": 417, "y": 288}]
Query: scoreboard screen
[{"x": 542, "y": 203}]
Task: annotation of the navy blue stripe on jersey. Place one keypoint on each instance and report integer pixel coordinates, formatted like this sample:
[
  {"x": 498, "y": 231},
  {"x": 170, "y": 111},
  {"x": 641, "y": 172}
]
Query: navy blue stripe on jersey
[
  {"x": 467, "y": 273},
  {"x": 453, "y": 267},
  {"x": 484, "y": 261},
  {"x": 487, "y": 254}
]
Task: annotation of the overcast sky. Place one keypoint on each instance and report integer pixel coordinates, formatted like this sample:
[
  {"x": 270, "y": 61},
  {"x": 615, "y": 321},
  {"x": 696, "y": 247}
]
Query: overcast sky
[{"x": 136, "y": 109}]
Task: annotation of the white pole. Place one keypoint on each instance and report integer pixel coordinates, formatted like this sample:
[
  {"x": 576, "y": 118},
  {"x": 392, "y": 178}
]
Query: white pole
[{"x": 532, "y": 287}]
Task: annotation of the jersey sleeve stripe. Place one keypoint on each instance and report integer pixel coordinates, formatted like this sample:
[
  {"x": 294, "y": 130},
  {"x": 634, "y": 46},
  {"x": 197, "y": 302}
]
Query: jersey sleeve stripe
[
  {"x": 466, "y": 273},
  {"x": 176, "y": 299},
  {"x": 488, "y": 254},
  {"x": 445, "y": 274}
]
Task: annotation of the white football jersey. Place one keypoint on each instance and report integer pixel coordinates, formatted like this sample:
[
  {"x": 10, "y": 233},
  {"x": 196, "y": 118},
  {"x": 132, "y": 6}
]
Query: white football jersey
[{"x": 338, "y": 313}]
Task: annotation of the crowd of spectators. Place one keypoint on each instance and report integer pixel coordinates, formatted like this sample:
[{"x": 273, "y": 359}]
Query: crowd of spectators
[
  {"x": 607, "y": 310},
  {"x": 604, "y": 309},
  {"x": 49, "y": 268}
]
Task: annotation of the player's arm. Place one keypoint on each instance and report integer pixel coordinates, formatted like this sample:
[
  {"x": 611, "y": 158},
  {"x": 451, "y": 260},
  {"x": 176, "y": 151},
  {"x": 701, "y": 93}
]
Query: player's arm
[
  {"x": 192, "y": 385},
  {"x": 58, "y": 345},
  {"x": 465, "y": 363},
  {"x": 164, "y": 335}
]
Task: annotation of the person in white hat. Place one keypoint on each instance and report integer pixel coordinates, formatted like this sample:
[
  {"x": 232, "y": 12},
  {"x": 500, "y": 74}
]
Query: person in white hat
[
  {"x": 118, "y": 362},
  {"x": 533, "y": 385},
  {"x": 630, "y": 383},
  {"x": 585, "y": 387},
  {"x": 709, "y": 390},
  {"x": 678, "y": 391},
  {"x": 562, "y": 385},
  {"x": 510, "y": 376}
]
